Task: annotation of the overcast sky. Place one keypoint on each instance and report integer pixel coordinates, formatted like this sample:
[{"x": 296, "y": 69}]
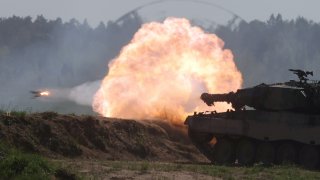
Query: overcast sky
[{"x": 103, "y": 10}]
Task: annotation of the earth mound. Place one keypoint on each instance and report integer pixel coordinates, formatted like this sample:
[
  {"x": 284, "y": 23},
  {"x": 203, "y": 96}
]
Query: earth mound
[{"x": 92, "y": 137}]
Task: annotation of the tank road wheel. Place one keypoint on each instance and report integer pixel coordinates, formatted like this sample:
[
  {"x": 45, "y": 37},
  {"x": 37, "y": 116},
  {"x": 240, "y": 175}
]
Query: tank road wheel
[
  {"x": 246, "y": 150},
  {"x": 224, "y": 151},
  {"x": 286, "y": 153},
  {"x": 265, "y": 153},
  {"x": 309, "y": 157}
]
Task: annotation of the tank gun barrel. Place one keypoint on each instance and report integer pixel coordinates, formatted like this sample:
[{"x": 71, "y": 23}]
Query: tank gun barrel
[
  {"x": 210, "y": 99},
  {"x": 271, "y": 97}
]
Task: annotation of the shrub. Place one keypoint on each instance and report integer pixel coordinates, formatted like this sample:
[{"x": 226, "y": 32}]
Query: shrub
[
  {"x": 15, "y": 164},
  {"x": 18, "y": 165}
]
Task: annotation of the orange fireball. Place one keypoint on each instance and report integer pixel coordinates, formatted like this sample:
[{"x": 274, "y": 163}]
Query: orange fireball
[
  {"x": 44, "y": 93},
  {"x": 162, "y": 72}
]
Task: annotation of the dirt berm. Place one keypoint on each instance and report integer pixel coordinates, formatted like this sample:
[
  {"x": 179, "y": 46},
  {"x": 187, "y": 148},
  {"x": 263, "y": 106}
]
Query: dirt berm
[{"x": 74, "y": 136}]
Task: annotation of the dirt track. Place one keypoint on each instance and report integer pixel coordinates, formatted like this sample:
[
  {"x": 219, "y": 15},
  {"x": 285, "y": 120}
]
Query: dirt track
[
  {"x": 134, "y": 170},
  {"x": 91, "y": 137}
]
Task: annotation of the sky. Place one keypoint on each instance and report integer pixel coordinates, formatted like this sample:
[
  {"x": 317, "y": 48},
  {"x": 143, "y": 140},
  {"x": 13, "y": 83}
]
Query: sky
[{"x": 95, "y": 11}]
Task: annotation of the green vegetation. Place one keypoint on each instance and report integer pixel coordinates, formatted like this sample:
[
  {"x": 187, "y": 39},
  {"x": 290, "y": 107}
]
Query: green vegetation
[
  {"x": 15, "y": 164},
  {"x": 13, "y": 112},
  {"x": 18, "y": 114},
  {"x": 25, "y": 166}
]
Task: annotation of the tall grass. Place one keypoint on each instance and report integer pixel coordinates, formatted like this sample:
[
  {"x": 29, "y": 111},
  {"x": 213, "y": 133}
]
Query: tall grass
[{"x": 15, "y": 164}]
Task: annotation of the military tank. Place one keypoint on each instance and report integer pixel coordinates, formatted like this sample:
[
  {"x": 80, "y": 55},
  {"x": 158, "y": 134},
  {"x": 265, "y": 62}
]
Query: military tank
[{"x": 269, "y": 124}]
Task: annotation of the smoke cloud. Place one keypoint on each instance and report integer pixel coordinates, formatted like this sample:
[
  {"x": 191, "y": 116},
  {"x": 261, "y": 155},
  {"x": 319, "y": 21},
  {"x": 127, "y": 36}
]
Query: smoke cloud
[{"x": 83, "y": 94}]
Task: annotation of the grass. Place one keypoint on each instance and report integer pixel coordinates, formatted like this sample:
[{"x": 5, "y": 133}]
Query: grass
[
  {"x": 15, "y": 164},
  {"x": 9, "y": 109},
  {"x": 21, "y": 115},
  {"x": 25, "y": 166},
  {"x": 223, "y": 172},
  {"x": 18, "y": 114}
]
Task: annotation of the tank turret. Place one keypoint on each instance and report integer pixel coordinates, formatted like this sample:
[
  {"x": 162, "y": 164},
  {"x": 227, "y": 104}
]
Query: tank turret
[{"x": 297, "y": 96}]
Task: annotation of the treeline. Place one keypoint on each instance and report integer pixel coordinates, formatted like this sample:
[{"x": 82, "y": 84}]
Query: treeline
[
  {"x": 57, "y": 53},
  {"x": 264, "y": 51}
]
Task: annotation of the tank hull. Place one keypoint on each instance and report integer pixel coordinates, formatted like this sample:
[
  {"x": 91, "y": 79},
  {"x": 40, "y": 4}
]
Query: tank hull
[
  {"x": 260, "y": 125},
  {"x": 252, "y": 136}
]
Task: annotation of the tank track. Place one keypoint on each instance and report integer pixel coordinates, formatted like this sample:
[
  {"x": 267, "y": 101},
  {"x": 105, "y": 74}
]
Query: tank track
[{"x": 246, "y": 151}]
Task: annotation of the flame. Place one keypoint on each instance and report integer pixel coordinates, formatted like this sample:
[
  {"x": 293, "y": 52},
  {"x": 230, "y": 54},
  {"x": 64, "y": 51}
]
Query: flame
[
  {"x": 44, "y": 93},
  {"x": 162, "y": 72}
]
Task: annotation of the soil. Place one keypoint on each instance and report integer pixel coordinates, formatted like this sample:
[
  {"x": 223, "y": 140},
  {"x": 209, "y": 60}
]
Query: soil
[{"x": 93, "y": 137}]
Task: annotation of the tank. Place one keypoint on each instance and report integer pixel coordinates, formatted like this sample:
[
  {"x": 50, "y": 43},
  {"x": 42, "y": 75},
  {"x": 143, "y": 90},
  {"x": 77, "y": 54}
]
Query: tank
[{"x": 269, "y": 124}]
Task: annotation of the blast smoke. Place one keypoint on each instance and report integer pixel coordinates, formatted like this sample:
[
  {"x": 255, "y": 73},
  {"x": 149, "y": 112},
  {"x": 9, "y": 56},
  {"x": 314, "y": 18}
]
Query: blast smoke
[
  {"x": 83, "y": 94},
  {"x": 161, "y": 73}
]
